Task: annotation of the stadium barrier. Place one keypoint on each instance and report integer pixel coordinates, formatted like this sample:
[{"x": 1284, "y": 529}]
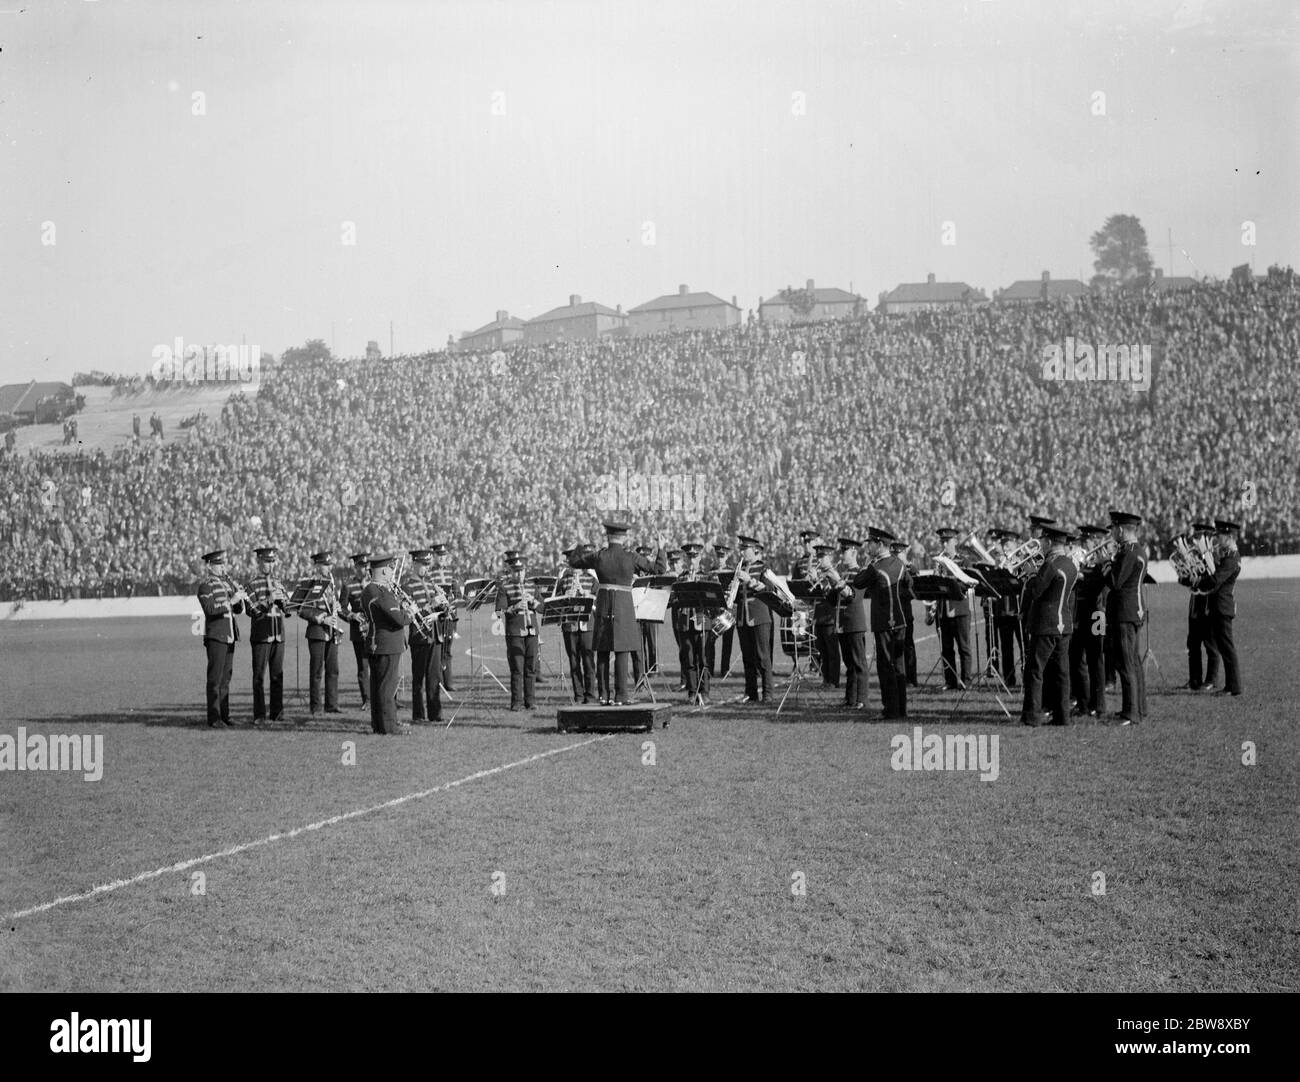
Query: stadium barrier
[{"x": 1252, "y": 567}]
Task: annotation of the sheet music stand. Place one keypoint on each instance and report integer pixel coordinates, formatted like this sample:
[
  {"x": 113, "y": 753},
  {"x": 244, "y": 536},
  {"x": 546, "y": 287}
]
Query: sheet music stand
[
  {"x": 478, "y": 592},
  {"x": 1147, "y": 580},
  {"x": 991, "y": 583},
  {"x": 306, "y": 591},
  {"x": 703, "y": 596},
  {"x": 650, "y": 595},
  {"x": 567, "y": 610},
  {"x": 931, "y": 586}
]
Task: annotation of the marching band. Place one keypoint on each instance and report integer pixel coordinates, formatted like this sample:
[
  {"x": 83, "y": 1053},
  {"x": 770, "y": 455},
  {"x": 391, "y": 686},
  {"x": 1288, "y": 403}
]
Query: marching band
[{"x": 1070, "y": 602}]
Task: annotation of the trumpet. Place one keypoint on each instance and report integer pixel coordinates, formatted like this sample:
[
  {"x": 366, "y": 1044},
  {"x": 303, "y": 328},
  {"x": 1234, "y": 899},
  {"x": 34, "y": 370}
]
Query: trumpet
[{"x": 1101, "y": 553}]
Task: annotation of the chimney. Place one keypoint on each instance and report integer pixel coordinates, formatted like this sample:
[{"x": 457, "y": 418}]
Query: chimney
[
  {"x": 682, "y": 291},
  {"x": 618, "y": 309},
  {"x": 502, "y": 315},
  {"x": 929, "y": 279},
  {"x": 574, "y": 300},
  {"x": 735, "y": 305},
  {"x": 1046, "y": 276},
  {"x": 810, "y": 285}
]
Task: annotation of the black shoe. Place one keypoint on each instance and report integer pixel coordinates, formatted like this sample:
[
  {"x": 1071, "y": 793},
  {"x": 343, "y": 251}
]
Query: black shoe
[
  {"x": 333, "y": 710},
  {"x": 1224, "y": 691},
  {"x": 1030, "y": 720},
  {"x": 1120, "y": 719}
]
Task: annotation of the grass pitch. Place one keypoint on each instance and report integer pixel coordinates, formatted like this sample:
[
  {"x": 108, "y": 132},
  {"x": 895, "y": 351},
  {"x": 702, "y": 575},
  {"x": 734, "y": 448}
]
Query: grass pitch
[{"x": 590, "y": 869}]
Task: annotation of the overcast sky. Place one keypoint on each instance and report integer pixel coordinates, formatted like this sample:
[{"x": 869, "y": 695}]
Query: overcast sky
[{"x": 505, "y": 155}]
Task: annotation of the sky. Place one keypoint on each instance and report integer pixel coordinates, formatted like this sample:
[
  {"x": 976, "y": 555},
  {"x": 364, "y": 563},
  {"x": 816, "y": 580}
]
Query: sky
[{"x": 269, "y": 172}]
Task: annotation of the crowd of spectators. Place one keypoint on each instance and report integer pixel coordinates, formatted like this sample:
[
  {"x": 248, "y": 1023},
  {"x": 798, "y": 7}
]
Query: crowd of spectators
[{"x": 908, "y": 422}]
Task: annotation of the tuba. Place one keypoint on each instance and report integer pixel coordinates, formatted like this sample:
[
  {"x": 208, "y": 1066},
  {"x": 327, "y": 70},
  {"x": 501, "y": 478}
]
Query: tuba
[
  {"x": 972, "y": 542},
  {"x": 1191, "y": 557}
]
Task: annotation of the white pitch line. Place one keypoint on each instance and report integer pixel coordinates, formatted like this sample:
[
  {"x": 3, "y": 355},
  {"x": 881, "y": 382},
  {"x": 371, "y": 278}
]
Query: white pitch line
[{"x": 183, "y": 865}]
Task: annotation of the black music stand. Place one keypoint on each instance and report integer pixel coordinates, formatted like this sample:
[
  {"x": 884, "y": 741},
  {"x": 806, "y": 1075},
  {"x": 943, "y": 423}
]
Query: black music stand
[
  {"x": 567, "y": 610},
  {"x": 703, "y": 596},
  {"x": 803, "y": 590},
  {"x": 931, "y": 586},
  {"x": 306, "y": 592},
  {"x": 478, "y": 592},
  {"x": 991, "y": 583}
]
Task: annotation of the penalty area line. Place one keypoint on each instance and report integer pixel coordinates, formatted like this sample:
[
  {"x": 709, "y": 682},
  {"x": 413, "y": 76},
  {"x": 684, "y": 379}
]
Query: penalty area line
[{"x": 333, "y": 820}]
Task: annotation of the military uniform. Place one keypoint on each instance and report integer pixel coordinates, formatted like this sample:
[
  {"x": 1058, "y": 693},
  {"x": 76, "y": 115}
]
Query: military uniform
[
  {"x": 1201, "y": 672},
  {"x": 615, "y": 628},
  {"x": 1223, "y": 607},
  {"x": 350, "y": 602},
  {"x": 1050, "y": 597},
  {"x": 1088, "y": 643},
  {"x": 577, "y": 633},
  {"x": 884, "y": 580},
  {"x": 387, "y": 621},
  {"x": 220, "y": 633},
  {"x": 754, "y": 630},
  {"x": 322, "y": 640},
  {"x": 851, "y": 624},
  {"x": 1125, "y": 615},
  {"x": 523, "y": 618},
  {"x": 426, "y": 646},
  {"x": 952, "y": 618},
  {"x": 267, "y": 605},
  {"x": 692, "y": 625},
  {"x": 727, "y": 638},
  {"x": 445, "y": 580}
]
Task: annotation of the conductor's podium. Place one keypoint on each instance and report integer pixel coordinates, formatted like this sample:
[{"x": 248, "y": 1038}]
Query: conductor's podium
[{"x": 638, "y": 718}]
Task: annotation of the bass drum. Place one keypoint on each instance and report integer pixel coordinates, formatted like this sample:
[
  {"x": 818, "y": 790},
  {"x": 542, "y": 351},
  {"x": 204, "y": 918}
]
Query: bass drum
[{"x": 796, "y": 632}]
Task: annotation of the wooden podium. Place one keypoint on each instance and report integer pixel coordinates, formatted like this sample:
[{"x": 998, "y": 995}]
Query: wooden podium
[{"x": 638, "y": 718}]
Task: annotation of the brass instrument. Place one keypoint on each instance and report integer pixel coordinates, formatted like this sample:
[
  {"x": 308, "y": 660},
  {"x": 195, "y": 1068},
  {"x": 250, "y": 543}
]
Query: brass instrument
[
  {"x": 1193, "y": 558},
  {"x": 1100, "y": 554},
  {"x": 425, "y": 622},
  {"x": 1026, "y": 559},
  {"x": 972, "y": 542}
]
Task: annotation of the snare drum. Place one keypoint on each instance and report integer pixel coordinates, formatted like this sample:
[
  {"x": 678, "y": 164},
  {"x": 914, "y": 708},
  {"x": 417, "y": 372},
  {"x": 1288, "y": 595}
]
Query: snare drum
[{"x": 722, "y": 623}]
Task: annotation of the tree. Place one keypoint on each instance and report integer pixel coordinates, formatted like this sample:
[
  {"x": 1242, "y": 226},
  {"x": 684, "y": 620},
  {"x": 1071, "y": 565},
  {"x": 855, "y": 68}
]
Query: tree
[
  {"x": 802, "y": 301},
  {"x": 1121, "y": 250},
  {"x": 314, "y": 350}
]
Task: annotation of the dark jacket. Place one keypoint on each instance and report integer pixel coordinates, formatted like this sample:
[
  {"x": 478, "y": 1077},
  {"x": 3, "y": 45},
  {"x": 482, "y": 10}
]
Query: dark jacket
[
  {"x": 387, "y": 620},
  {"x": 214, "y": 598},
  {"x": 615, "y": 615},
  {"x": 1050, "y": 597},
  {"x": 1223, "y": 602},
  {"x": 849, "y": 605},
  {"x": 521, "y": 607},
  {"x": 1126, "y": 603},
  {"x": 883, "y": 580}
]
